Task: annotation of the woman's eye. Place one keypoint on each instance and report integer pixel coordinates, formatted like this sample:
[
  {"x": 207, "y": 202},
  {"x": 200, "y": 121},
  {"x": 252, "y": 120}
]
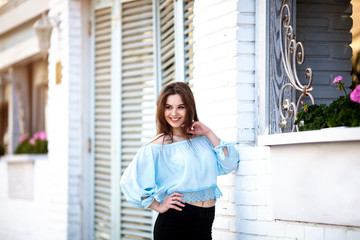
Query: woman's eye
[
  {"x": 168, "y": 107},
  {"x": 181, "y": 107}
]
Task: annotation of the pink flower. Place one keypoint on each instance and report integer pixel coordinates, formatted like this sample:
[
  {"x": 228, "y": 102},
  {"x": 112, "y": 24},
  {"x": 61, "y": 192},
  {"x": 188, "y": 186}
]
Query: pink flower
[
  {"x": 32, "y": 141},
  {"x": 23, "y": 138},
  {"x": 338, "y": 79},
  {"x": 355, "y": 95},
  {"x": 40, "y": 135}
]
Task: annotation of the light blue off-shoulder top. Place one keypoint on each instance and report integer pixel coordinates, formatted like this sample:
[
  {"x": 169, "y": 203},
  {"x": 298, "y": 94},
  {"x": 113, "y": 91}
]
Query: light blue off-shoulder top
[{"x": 189, "y": 167}]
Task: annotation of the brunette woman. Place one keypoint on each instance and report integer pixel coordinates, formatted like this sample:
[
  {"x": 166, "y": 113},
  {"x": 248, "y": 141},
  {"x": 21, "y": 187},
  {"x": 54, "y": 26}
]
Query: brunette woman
[{"x": 175, "y": 175}]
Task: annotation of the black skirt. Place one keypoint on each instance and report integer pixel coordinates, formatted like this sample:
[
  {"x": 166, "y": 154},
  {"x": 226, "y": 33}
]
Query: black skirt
[{"x": 191, "y": 223}]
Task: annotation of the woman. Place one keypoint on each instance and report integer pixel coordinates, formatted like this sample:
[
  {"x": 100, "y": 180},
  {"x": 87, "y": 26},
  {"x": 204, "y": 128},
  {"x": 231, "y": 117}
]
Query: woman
[{"x": 176, "y": 173}]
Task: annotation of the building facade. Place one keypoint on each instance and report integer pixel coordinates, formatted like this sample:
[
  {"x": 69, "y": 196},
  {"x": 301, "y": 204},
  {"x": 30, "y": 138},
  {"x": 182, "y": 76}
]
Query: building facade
[{"x": 94, "y": 91}]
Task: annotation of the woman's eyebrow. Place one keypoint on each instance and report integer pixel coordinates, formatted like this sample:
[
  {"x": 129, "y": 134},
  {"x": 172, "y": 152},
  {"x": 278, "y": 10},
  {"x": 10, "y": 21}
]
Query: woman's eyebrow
[{"x": 166, "y": 104}]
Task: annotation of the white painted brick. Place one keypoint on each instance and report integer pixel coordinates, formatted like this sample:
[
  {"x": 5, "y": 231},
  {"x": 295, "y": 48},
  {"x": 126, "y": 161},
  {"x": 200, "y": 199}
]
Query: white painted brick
[
  {"x": 215, "y": 9},
  {"x": 223, "y": 44},
  {"x": 232, "y": 226},
  {"x": 246, "y": 18},
  {"x": 265, "y": 213},
  {"x": 245, "y": 168},
  {"x": 246, "y": 183},
  {"x": 246, "y": 33},
  {"x": 227, "y": 236},
  {"x": 246, "y": 6},
  {"x": 353, "y": 234},
  {"x": 246, "y": 92},
  {"x": 246, "y": 212},
  {"x": 245, "y": 77},
  {"x": 226, "y": 180},
  {"x": 263, "y": 182},
  {"x": 207, "y": 25},
  {"x": 230, "y": 211},
  {"x": 245, "y": 106},
  {"x": 314, "y": 233},
  {"x": 276, "y": 229},
  {"x": 245, "y": 62},
  {"x": 243, "y": 197},
  {"x": 214, "y": 67},
  {"x": 244, "y": 236},
  {"x": 254, "y": 167},
  {"x": 259, "y": 167},
  {"x": 296, "y": 231},
  {"x": 252, "y": 227},
  {"x": 226, "y": 194},
  {"x": 332, "y": 233},
  {"x": 246, "y": 136},
  {"x": 245, "y": 47},
  {"x": 262, "y": 197},
  {"x": 253, "y": 197},
  {"x": 250, "y": 153},
  {"x": 246, "y": 120},
  {"x": 221, "y": 223},
  {"x": 216, "y": 234}
]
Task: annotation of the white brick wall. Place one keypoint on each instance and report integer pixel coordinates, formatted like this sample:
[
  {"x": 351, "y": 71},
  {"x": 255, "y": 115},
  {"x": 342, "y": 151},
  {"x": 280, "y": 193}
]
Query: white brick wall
[
  {"x": 253, "y": 199},
  {"x": 57, "y": 123},
  {"x": 245, "y": 84},
  {"x": 75, "y": 33},
  {"x": 64, "y": 116},
  {"x": 215, "y": 79}
]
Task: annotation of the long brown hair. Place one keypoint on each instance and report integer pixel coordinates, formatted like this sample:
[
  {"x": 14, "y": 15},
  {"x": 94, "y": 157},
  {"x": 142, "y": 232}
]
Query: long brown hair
[{"x": 163, "y": 127}]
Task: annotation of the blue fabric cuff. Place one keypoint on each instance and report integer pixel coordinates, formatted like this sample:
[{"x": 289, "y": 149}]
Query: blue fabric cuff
[
  {"x": 220, "y": 148},
  {"x": 147, "y": 201},
  {"x": 159, "y": 196}
]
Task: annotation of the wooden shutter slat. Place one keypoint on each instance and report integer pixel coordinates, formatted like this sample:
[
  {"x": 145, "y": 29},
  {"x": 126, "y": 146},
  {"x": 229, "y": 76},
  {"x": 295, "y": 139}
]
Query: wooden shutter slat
[{"x": 138, "y": 89}]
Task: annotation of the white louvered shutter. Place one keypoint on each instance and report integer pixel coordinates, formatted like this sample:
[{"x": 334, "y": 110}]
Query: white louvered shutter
[
  {"x": 142, "y": 58},
  {"x": 173, "y": 50},
  {"x": 102, "y": 123},
  {"x": 167, "y": 41},
  {"x": 188, "y": 40},
  {"x": 138, "y": 102}
]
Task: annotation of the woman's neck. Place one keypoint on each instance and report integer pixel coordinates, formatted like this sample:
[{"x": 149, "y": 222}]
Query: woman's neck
[{"x": 177, "y": 132}]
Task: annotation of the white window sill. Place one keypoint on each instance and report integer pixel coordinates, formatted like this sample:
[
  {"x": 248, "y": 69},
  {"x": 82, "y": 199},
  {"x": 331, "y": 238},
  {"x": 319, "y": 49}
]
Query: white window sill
[
  {"x": 24, "y": 157},
  {"x": 337, "y": 134}
]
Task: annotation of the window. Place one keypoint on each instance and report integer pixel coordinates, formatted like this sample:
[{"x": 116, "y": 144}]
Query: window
[
  {"x": 4, "y": 111},
  {"x": 24, "y": 96},
  {"x": 324, "y": 30}
]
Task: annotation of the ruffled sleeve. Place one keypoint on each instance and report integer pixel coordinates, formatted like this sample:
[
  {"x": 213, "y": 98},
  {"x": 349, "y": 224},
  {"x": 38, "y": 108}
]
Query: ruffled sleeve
[
  {"x": 138, "y": 181},
  {"x": 226, "y": 164}
]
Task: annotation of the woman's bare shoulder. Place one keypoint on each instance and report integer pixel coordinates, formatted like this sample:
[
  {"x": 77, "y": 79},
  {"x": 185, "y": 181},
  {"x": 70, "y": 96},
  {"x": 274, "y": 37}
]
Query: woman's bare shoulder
[{"x": 161, "y": 139}]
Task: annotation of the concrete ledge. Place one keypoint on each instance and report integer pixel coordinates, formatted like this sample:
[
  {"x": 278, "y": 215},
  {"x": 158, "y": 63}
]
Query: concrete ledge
[{"x": 316, "y": 136}]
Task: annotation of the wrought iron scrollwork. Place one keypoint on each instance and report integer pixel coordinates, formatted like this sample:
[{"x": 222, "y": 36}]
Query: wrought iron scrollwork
[{"x": 292, "y": 53}]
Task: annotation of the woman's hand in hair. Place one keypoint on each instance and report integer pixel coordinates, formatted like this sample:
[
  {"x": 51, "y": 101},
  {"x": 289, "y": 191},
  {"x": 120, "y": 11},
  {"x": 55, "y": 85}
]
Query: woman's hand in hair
[
  {"x": 198, "y": 128},
  {"x": 201, "y": 129},
  {"x": 173, "y": 201}
]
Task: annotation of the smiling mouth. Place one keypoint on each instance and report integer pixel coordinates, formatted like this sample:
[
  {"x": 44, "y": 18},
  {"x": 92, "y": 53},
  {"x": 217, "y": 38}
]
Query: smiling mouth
[{"x": 175, "y": 119}]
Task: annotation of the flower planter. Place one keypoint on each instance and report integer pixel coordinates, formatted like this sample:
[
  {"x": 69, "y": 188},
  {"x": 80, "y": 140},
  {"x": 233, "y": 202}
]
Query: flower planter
[
  {"x": 316, "y": 176},
  {"x": 20, "y": 174}
]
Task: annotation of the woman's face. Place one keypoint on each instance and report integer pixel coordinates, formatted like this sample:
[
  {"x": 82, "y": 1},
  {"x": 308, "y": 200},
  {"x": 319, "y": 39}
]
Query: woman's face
[{"x": 175, "y": 112}]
